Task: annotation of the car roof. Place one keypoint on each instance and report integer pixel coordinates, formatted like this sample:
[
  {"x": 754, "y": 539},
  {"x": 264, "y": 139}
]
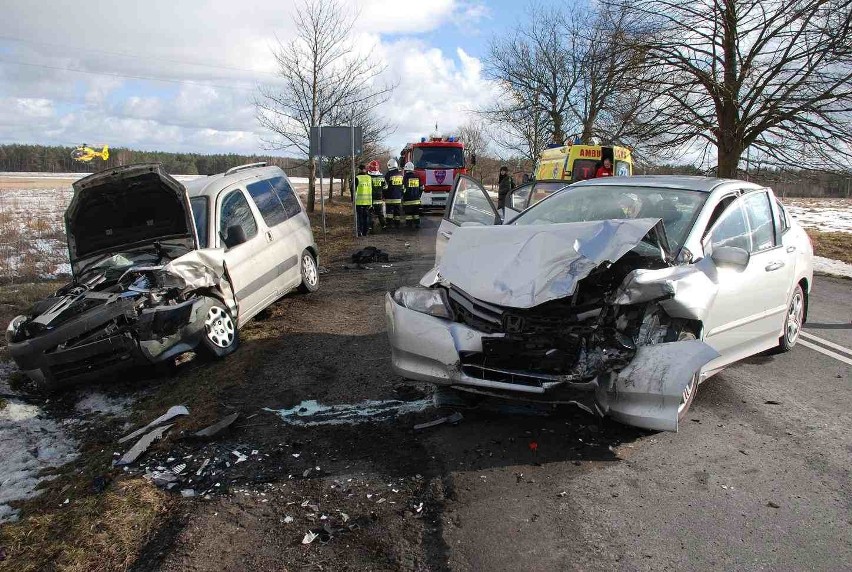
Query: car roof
[
  {"x": 684, "y": 182},
  {"x": 212, "y": 185}
]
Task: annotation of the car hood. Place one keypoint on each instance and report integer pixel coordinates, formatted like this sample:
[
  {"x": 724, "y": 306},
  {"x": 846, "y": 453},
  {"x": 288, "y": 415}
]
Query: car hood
[
  {"x": 126, "y": 208},
  {"x": 523, "y": 266}
]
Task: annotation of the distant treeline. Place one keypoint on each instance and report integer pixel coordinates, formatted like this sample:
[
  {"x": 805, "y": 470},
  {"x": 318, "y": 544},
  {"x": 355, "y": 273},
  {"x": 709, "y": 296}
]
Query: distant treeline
[{"x": 54, "y": 159}]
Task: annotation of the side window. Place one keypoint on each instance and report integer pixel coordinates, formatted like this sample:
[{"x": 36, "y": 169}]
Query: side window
[
  {"x": 470, "y": 204},
  {"x": 518, "y": 198},
  {"x": 731, "y": 229},
  {"x": 267, "y": 202},
  {"x": 285, "y": 193},
  {"x": 234, "y": 211},
  {"x": 781, "y": 218},
  {"x": 584, "y": 169},
  {"x": 759, "y": 212}
]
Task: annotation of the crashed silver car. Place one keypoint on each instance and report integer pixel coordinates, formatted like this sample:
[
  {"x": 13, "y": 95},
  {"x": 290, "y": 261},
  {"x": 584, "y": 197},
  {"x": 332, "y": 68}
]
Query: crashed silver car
[
  {"x": 619, "y": 295},
  {"x": 161, "y": 268}
]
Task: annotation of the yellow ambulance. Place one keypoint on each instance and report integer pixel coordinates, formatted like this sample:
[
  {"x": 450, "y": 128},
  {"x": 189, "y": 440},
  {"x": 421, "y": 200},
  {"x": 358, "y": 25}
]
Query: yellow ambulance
[{"x": 579, "y": 162}]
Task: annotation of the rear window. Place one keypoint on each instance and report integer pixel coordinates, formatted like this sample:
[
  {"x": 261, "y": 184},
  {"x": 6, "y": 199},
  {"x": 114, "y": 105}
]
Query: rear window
[{"x": 199, "y": 213}]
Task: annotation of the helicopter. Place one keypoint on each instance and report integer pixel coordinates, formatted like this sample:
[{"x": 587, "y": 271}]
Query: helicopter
[{"x": 84, "y": 153}]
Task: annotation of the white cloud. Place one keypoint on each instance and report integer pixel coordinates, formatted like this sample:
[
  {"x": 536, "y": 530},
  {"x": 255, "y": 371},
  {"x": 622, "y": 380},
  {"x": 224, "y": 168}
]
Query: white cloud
[{"x": 84, "y": 57}]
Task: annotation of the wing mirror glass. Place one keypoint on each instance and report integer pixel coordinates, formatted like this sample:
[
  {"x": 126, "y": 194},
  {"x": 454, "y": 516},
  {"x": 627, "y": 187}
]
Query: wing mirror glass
[
  {"x": 234, "y": 236},
  {"x": 731, "y": 256}
]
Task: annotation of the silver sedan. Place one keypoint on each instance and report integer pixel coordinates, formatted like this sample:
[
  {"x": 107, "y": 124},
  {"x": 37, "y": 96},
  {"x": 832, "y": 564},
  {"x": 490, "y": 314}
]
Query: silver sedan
[{"x": 619, "y": 295}]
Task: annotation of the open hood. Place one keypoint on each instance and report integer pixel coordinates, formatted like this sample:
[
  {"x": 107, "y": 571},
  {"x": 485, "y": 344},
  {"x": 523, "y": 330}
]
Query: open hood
[
  {"x": 125, "y": 208},
  {"x": 523, "y": 266}
]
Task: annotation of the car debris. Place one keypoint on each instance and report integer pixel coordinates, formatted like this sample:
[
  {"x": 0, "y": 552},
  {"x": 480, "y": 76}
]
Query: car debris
[
  {"x": 453, "y": 419},
  {"x": 370, "y": 254},
  {"x": 218, "y": 427},
  {"x": 142, "y": 445},
  {"x": 174, "y": 411}
]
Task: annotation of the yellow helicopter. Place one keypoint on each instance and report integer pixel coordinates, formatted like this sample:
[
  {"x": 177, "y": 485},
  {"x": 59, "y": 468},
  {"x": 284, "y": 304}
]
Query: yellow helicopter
[{"x": 84, "y": 153}]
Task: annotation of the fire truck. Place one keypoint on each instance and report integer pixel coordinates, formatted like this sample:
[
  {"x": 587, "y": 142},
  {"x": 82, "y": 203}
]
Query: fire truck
[{"x": 437, "y": 161}]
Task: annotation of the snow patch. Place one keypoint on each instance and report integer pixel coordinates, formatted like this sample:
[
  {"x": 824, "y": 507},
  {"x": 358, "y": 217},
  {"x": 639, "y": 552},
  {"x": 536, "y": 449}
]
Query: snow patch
[
  {"x": 30, "y": 442},
  {"x": 101, "y": 404},
  {"x": 832, "y": 267}
]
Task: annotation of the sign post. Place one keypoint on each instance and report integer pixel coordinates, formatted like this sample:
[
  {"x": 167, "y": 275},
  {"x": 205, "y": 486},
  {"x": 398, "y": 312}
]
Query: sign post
[{"x": 341, "y": 141}]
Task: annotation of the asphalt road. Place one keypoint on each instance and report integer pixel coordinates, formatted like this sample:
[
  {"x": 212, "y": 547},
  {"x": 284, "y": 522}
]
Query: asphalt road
[{"x": 758, "y": 478}]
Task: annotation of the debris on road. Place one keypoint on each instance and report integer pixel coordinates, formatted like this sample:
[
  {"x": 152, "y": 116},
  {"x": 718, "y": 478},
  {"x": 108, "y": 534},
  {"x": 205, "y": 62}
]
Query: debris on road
[
  {"x": 217, "y": 427},
  {"x": 370, "y": 254},
  {"x": 310, "y": 537},
  {"x": 311, "y": 413},
  {"x": 773, "y": 504},
  {"x": 174, "y": 411},
  {"x": 453, "y": 419},
  {"x": 142, "y": 445}
]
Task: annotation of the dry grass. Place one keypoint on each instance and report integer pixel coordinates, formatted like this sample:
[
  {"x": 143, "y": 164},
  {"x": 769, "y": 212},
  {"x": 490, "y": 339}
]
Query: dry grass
[
  {"x": 16, "y": 298},
  {"x": 836, "y": 245},
  {"x": 340, "y": 242}
]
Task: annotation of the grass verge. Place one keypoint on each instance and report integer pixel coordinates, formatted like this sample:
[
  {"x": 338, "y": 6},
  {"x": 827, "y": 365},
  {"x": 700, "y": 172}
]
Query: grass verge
[{"x": 835, "y": 245}]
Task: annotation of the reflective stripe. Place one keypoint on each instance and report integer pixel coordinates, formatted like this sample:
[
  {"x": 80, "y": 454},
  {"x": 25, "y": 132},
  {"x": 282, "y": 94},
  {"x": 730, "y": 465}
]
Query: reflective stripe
[
  {"x": 410, "y": 203},
  {"x": 393, "y": 201}
]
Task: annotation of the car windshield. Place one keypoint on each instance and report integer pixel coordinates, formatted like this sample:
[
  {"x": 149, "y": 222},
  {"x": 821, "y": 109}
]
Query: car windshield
[
  {"x": 123, "y": 260},
  {"x": 199, "y": 214},
  {"x": 437, "y": 157},
  {"x": 677, "y": 208}
]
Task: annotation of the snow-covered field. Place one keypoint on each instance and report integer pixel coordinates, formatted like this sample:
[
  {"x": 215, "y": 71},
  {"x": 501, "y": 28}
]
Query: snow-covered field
[{"x": 827, "y": 215}]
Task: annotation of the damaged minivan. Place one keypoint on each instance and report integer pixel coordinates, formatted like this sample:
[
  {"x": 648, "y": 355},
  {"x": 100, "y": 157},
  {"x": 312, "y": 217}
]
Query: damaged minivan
[
  {"x": 160, "y": 268},
  {"x": 619, "y": 295}
]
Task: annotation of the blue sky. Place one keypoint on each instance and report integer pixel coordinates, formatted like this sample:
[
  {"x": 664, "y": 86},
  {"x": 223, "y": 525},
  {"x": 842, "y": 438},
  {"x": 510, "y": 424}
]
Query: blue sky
[{"x": 68, "y": 80}]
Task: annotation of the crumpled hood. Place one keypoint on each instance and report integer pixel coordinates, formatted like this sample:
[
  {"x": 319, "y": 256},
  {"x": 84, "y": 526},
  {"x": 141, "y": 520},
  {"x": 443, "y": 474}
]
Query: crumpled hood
[
  {"x": 523, "y": 266},
  {"x": 124, "y": 208}
]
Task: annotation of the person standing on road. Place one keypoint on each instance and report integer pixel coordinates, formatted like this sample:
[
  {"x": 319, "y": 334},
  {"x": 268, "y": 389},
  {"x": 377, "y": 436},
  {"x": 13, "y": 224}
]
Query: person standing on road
[
  {"x": 393, "y": 192},
  {"x": 363, "y": 193},
  {"x": 505, "y": 184},
  {"x": 379, "y": 186},
  {"x": 412, "y": 190}
]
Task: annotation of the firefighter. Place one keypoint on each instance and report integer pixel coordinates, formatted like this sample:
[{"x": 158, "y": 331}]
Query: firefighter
[
  {"x": 379, "y": 186},
  {"x": 412, "y": 190},
  {"x": 363, "y": 193},
  {"x": 393, "y": 192}
]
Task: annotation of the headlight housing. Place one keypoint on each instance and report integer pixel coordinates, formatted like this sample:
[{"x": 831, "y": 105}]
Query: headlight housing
[
  {"x": 432, "y": 301},
  {"x": 13, "y": 330}
]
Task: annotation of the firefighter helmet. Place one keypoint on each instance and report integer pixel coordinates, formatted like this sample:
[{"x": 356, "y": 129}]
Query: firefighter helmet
[
  {"x": 408, "y": 166},
  {"x": 373, "y": 166},
  {"x": 392, "y": 164}
]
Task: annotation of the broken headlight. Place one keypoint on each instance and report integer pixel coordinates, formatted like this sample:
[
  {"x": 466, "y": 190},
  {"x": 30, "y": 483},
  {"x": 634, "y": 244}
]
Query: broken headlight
[
  {"x": 13, "y": 331},
  {"x": 432, "y": 301}
]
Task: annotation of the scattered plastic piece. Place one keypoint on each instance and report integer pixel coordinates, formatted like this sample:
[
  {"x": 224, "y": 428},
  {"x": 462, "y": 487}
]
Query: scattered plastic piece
[
  {"x": 309, "y": 537},
  {"x": 288, "y": 519},
  {"x": 453, "y": 419},
  {"x": 174, "y": 411},
  {"x": 178, "y": 469},
  {"x": 187, "y": 493},
  {"x": 217, "y": 427},
  {"x": 202, "y": 467},
  {"x": 240, "y": 457},
  {"x": 142, "y": 445}
]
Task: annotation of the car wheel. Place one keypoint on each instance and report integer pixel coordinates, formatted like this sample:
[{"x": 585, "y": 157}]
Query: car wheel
[
  {"x": 310, "y": 273},
  {"x": 221, "y": 336},
  {"x": 691, "y": 388},
  {"x": 793, "y": 321}
]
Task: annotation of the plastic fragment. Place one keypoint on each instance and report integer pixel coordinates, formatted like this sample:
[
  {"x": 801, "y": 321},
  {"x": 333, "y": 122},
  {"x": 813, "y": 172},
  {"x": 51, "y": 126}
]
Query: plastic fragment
[
  {"x": 174, "y": 411},
  {"x": 454, "y": 418},
  {"x": 218, "y": 427}
]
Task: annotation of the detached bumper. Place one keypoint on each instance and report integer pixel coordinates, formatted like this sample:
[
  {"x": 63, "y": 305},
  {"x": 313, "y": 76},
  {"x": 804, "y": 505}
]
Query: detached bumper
[
  {"x": 154, "y": 336},
  {"x": 652, "y": 392}
]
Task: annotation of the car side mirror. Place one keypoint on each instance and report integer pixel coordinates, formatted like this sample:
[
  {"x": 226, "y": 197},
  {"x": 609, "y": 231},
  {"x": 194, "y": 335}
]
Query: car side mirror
[
  {"x": 732, "y": 256},
  {"x": 234, "y": 236}
]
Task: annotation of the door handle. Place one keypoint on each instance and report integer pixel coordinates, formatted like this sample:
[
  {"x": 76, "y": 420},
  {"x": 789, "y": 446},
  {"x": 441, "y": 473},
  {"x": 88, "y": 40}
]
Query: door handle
[
  {"x": 446, "y": 233},
  {"x": 269, "y": 237},
  {"x": 774, "y": 266},
  {"x": 791, "y": 249}
]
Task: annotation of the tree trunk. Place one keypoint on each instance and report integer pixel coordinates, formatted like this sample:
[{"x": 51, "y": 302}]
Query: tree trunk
[
  {"x": 728, "y": 159},
  {"x": 312, "y": 166}
]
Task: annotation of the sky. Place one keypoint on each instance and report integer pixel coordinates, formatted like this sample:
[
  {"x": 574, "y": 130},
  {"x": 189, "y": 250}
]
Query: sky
[{"x": 181, "y": 76}]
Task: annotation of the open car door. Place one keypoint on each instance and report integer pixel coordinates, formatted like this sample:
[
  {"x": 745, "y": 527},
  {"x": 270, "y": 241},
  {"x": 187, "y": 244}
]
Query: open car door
[
  {"x": 528, "y": 194},
  {"x": 468, "y": 204}
]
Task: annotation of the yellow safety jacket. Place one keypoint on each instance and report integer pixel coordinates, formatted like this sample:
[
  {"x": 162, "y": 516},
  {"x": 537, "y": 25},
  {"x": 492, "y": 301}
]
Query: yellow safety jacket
[{"x": 363, "y": 190}]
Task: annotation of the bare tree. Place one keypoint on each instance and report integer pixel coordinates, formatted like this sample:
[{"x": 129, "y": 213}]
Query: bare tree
[
  {"x": 321, "y": 72},
  {"x": 771, "y": 75},
  {"x": 474, "y": 135}
]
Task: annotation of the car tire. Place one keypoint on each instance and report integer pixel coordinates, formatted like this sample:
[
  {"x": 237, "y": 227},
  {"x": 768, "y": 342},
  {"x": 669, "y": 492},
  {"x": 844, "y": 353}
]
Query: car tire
[
  {"x": 793, "y": 322},
  {"x": 310, "y": 272},
  {"x": 692, "y": 388},
  {"x": 221, "y": 336}
]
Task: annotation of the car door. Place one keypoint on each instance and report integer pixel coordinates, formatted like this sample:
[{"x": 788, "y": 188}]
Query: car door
[
  {"x": 468, "y": 203},
  {"x": 740, "y": 322},
  {"x": 279, "y": 256},
  {"x": 249, "y": 265},
  {"x": 516, "y": 201},
  {"x": 296, "y": 231}
]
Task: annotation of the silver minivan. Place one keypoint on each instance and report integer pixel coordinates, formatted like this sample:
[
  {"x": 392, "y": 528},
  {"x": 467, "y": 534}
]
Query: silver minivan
[{"x": 161, "y": 267}]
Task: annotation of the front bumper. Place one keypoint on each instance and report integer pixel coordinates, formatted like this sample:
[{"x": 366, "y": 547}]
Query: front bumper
[
  {"x": 154, "y": 336},
  {"x": 648, "y": 393},
  {"x": 434, "y": 200}
]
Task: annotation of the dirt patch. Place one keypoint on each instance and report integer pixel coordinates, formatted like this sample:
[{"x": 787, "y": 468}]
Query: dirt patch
[{"x": 834, "y": 245}]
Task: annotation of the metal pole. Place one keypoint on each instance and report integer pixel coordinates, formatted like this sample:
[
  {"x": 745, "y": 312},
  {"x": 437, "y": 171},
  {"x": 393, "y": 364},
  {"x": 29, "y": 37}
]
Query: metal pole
[
  {"x": 322, "y": 194},
  {"x": 352, "y": 148}
]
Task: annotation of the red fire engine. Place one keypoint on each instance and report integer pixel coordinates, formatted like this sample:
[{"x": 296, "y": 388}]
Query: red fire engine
[{"x": 437, "y": 161}]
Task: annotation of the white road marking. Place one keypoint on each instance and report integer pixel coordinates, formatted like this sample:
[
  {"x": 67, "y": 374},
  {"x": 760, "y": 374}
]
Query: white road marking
[
  {"x": 825, "y": 342},
  {"x": 824, "y": 351}
]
